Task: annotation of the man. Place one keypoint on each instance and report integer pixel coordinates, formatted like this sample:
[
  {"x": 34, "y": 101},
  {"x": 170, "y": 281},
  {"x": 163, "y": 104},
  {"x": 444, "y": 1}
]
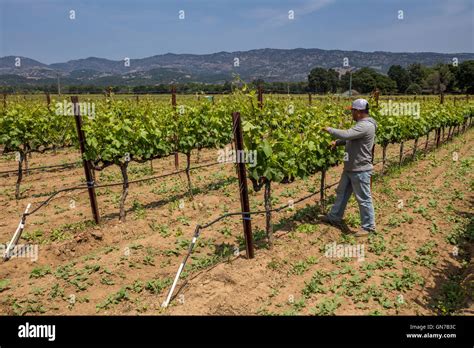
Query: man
[{"x": 355, "y": 178}]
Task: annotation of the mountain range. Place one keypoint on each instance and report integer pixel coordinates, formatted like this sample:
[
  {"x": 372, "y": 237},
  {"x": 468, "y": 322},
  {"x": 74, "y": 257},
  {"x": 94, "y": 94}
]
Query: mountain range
[{"x": 284, "y": 65}]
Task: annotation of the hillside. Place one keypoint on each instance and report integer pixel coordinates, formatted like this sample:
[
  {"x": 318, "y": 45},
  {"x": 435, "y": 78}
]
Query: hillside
[{"x": 268, "y": 64}]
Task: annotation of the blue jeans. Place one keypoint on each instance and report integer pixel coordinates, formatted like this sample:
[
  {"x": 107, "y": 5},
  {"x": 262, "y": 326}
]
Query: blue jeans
[{"x": 359, "y": 183}]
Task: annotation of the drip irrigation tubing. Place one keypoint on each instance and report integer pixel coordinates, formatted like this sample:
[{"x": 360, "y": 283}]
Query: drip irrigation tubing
[
  {"x": 94, "y": 185},
  {"x": 64, "y": 165}
]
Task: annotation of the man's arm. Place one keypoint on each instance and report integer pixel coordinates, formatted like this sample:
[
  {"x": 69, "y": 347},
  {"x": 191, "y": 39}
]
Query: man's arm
[{"x": 356, "y": 132}]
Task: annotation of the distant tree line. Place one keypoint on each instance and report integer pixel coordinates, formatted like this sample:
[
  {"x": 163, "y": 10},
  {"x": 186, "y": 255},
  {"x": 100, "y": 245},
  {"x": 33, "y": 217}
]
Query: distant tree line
[
  {"x": 414, "y": 79},
  {"x": 149, "y": 89},
  {"x": 182, "y": 88}
]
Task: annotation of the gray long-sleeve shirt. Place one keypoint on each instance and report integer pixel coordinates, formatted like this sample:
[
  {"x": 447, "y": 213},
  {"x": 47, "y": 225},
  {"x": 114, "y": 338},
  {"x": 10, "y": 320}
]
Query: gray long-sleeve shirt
[{"x": 358, "y": 141}]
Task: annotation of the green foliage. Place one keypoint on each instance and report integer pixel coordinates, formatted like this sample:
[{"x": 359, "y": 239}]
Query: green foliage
[
  {"x": 465, "y": 76},
  {"x": 452, "y": 296},
  {"x": 121, "y": 295},
  {"x": 402, "y": 282},
  {"x": 4, "y": 284},
  {"x": 39, "y": 272},
  {"x": 31, "y": 126},
  {"x": 413, "y": 88},
  {"x": 315, "y": 285},
  {"x": 401, "y": 77},
  {"x": 122, "y": 130},
  {"x": 321, "y": 80},
  {"x": 365, "y": 80},
  {"x": 286, "y": 135},
  {"x": 328, "y": 306},
  {"x": 289, "y": 140},
  {"x": 156, "y": 286}
]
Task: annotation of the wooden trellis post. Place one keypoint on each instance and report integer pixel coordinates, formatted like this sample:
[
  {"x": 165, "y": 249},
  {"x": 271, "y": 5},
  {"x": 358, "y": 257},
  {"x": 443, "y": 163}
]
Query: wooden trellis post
[
  {"x": 401, "y": 154},
  {"x": 173, "y": 103},
  {"x": 48, "y": 100},
  {"x": 85, "y": 163},
  {"x": 415, "y": 145},
  {"x": 243, "y": 188},
  {"x": 427, "y": 139},
  {"x": 260, "y": 96},
  {"x": 322, "y": 192},
  {"x": 377, "y": 95}
]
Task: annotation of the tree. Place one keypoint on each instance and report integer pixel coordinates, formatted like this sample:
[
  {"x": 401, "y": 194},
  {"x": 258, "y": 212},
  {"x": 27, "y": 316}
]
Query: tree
[
  {"x": 439, "y": 79},
  {"x": 366, "y": 80},
  {"x": 465, "y": 76},
  {"x": 227, "y": 88},
  {"x": 417, "y": 73},
  {"x": 414, "y": 88},
  {"x": 321, "y": 80},
  {"x": 400, "y": 76},
  {"x": 258, "y": 82},
  {"x": 452, "y": 83},
  {"x": 385, "y": 83},
  {"x": 333, "y": 80}
]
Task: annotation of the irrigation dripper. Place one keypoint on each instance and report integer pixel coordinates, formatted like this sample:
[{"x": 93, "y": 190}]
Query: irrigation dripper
[
  {"x": 181, "y": 266},
  {"x": 16, "y": 235}
]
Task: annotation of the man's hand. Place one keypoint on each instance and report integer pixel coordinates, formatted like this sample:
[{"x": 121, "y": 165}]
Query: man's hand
[
  {"x": 333, "y": 145},
  {"x": 326, "y": 129}
]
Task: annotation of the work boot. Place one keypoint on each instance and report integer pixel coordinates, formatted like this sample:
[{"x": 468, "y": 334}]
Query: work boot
[
  {"x": 324, "y": 218},
  {"x": 339, "y": 224},
  {"x": 362, "y": 232}
]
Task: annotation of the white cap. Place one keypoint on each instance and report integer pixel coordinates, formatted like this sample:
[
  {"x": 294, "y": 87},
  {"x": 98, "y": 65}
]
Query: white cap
[{"x": 360, "y": 104}]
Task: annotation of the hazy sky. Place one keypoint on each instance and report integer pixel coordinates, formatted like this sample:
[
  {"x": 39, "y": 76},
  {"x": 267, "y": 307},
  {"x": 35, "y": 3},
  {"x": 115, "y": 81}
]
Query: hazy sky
[{"x": 42, "y": 29}]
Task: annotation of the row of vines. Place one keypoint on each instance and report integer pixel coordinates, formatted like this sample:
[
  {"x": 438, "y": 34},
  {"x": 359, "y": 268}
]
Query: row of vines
[{"x": 285, "y": 134}]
